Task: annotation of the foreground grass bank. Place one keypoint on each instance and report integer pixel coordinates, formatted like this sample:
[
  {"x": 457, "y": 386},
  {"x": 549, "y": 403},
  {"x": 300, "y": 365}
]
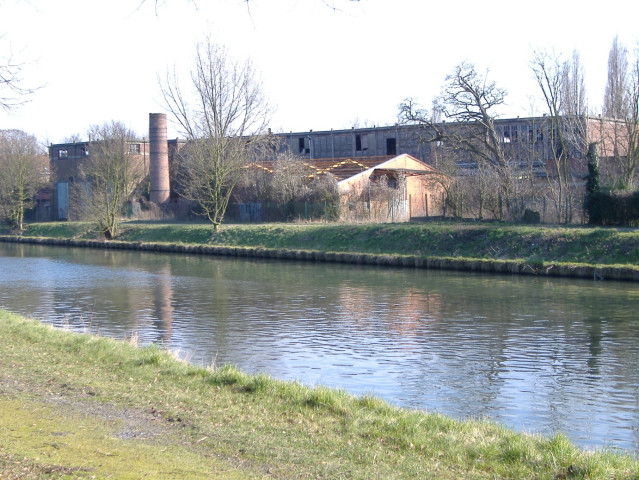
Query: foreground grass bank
[
  {"x": 585, "y": 252},
  {"x": 78, "y": 406}
]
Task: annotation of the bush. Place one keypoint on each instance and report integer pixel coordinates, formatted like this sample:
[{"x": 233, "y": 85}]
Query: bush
[
  {"x": 531, "y": 216},
  {"x": 614, "y": 208}
]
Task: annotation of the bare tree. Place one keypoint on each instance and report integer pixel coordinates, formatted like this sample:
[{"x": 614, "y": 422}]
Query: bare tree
[
  {"x": 615, "y": 101},
  {"x": 224, "y": 116},
  {"x": 289, "y": 187},
  {"x": 631, "y": 163},
  {"x": 324, "y": 192},
  {"x": 294, "y": 184},
  {"x": 558, "y": 87},
  {"x": 620, "y": 144},
  {"x": 23, "y": 171},
  {"x": 615, "y": 108},
  {"x": 112, "y": 173},
  {"x": 256, "y": 184},
  {"x": 574, "y": 103},
  {"x": 73, "y": 138},
  {"x": 290, "y": 180},
  {"x": 574, "y": 99},
  {"x": 470, "y": 100}
]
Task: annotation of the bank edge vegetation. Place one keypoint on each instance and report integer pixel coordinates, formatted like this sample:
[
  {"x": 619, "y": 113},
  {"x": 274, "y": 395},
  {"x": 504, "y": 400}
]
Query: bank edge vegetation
[
  {"x": 79, "y": 406},
  {"x": 583, "y": 252}
]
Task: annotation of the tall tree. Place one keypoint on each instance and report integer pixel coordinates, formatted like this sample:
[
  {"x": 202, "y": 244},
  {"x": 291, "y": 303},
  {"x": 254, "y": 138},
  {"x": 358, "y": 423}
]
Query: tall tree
[
  {"x": 574, "y": 103},
  {"x": 631, "y": 161},
  {"x": 224, "y": 116},
  {"x": 556, "y": 84},
  {"x": 615, "y": 95},
  {"x": 620, "y": 143},
  {"x": 112, "y": 173},
  {"x": 574, "y": 100},
  {"x": 22, "y": 173}
]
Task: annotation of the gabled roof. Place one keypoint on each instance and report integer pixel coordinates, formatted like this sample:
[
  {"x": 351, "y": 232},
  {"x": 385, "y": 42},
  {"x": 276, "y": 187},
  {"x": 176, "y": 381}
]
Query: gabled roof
[
  {"x": 387, "y": 166},
  {"x": 348, "y": 169},
  {"x": 343, "y": 168}
]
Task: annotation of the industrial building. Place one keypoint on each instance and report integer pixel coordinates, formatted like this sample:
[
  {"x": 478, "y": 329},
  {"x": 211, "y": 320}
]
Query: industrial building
[
  {"x": 66, "y": 161},
  {"x": 526, "y": 133},
  {"x": 351, "y": 155}
]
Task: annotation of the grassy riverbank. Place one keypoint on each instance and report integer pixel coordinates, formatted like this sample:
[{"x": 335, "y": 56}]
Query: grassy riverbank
[
  {"x": 78, "y": 406},
  {"x": 536, "y": 245}
]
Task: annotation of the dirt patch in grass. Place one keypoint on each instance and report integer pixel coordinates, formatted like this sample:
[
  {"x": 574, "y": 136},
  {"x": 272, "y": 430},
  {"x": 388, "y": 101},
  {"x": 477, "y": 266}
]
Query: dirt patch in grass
[
  {"x": 14, "y": 466},
  {"x": 132, "y": 422}
]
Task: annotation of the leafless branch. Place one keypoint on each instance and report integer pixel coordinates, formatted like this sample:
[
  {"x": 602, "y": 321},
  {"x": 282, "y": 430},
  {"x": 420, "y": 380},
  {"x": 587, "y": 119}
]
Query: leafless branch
[
  {"x": 12, "y": 91},
  {"x": 224, "y": 115}
]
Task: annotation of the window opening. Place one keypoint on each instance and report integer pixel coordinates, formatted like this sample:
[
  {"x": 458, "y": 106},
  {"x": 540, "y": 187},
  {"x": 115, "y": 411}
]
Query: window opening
[
  {"x": 391, "y": 146},
  {"x": 303, "y": 145},
  {"x": 506, "y": 134}
]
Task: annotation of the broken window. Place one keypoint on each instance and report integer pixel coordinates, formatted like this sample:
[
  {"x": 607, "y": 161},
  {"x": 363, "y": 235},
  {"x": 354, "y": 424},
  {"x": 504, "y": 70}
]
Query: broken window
[
  {"x": 303, "y": 145},
  {"x": 63, "y": 153},
  {"x": 134, "y": 148},
  {"x": 361, "y": 142},
  {"x": 506, "y": 134},
  {"x": 391, "y": 146}
]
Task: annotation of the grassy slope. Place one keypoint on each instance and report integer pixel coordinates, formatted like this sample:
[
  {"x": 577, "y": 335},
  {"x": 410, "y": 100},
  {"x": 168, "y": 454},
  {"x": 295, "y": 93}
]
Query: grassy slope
[
  {"x": 594, "y": 246},
  {"x": 77, "y": 406}
]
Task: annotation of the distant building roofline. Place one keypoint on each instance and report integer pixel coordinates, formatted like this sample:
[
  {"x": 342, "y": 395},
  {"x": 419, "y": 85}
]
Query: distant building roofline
[{"x": 529, "y": 119}]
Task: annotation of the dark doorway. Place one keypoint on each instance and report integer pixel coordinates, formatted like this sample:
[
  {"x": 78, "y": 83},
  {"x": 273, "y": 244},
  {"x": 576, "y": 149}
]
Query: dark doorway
[{"x": 391, "y": 146}]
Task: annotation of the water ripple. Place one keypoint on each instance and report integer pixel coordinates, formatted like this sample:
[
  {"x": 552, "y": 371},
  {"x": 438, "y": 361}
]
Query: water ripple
[{"x": 540, "y": 355}]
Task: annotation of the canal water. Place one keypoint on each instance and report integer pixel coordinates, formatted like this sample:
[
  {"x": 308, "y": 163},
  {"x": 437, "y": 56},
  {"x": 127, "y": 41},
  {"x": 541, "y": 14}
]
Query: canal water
[{"x": 536, "y": 354}]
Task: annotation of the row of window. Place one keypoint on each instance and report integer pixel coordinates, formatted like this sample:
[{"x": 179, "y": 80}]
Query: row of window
[
  {"x": 512, "y": 133},
  {"x": 366, "y": 141},
  {"x": 361, "y": 144},
  {"x": 134, "y": 148},
  {"x": 64, "y": 153}
]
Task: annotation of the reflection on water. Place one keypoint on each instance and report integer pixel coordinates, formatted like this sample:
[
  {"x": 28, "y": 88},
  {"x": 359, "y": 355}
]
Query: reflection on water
[{"x": 536, "y": 354}]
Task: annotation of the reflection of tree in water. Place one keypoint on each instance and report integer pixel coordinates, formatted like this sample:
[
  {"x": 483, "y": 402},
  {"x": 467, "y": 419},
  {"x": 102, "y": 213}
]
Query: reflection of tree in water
[{"x": 595, "y": 334}]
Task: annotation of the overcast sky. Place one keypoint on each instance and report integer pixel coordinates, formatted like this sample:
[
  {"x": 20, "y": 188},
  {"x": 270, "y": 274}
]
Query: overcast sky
[{"x": 322, "y": 68}]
